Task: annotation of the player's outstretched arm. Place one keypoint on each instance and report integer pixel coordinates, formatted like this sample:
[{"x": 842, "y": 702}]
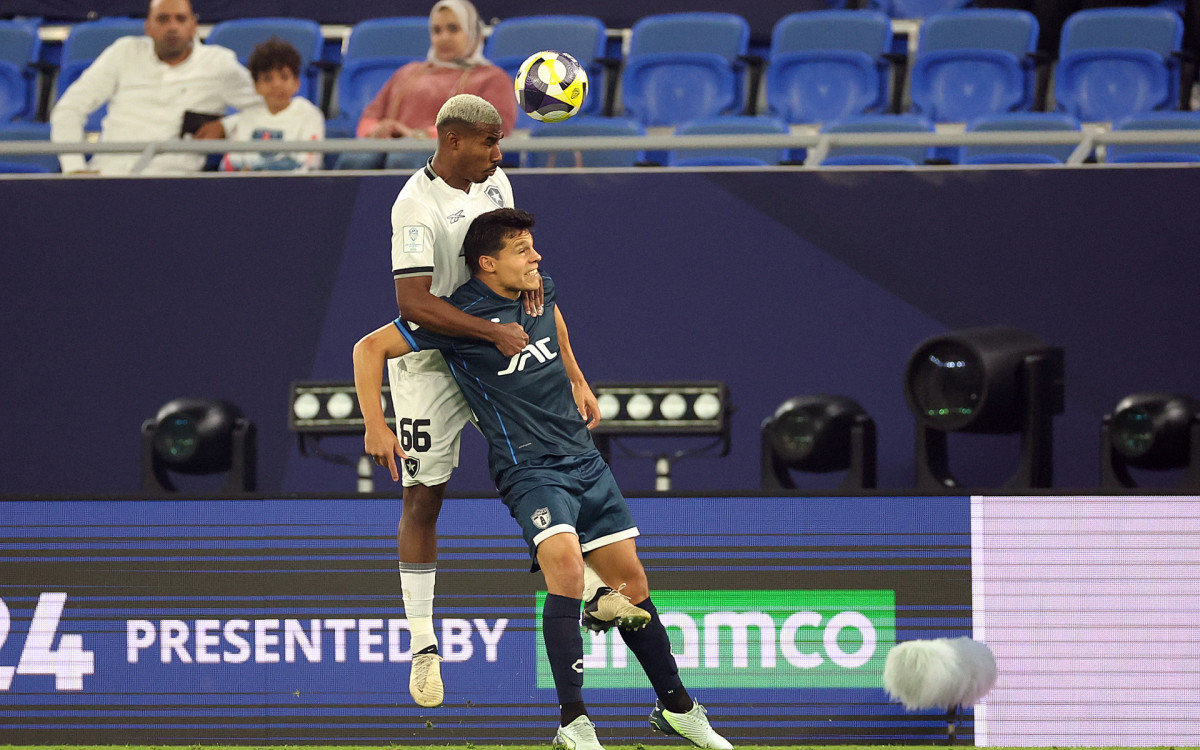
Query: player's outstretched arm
[
  {"x": 421, "y": 307},
  {"x": 585, "y": 400},
  {"x": 370, "y": 354}
]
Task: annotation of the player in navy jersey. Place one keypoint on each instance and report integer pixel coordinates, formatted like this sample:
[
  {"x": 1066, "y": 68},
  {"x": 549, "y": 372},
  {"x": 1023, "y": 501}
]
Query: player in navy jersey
[
  {"x": 429, "y": 220},
  {"x": 542, "y": 458}
]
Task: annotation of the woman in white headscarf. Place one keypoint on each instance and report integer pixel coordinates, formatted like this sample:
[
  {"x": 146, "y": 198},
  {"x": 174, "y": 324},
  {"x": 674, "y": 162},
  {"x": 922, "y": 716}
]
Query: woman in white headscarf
[{"x": 408, "y": 104}]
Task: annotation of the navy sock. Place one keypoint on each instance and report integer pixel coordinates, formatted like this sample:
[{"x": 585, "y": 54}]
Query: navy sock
[
  {"x": 652, "y": 648},
  {"x": 564, "y": 647}
]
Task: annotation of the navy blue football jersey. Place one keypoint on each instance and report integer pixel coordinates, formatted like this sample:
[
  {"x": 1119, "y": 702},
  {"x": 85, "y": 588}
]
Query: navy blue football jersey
[{"x": 523, "y": 403}]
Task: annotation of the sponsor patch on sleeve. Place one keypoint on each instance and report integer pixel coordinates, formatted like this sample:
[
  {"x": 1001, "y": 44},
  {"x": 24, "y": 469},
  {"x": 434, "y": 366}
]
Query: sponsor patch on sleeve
[{"x": 413, "y": 239}]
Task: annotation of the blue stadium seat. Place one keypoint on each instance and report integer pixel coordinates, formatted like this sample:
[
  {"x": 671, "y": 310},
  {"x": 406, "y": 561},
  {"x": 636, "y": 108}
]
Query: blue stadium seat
[
  {"x": 402, "y": 36},
  {"x": 372, "y": 47},
  {"x": 84, "y": 43},
  {"x": 721, "y": 161},
  {"x": 1020, "y": 154},
  {"x": 683, "y": 66},
  {"x": 1116, "y": 62},
  {"x": 972, "y": 63},
  {"x": 358, "y": 83},
  {"x": 26, "y": 131},
  {"x": 916, "y": 8},
  {"x": 515, "y": 39},
  {"x": 1156, "y": 152},
  {"x": 243, "y": 34},
  {"x": 585, "y": 126},
  {"x": 729, "y": 125},
  {"x": 724, "y": 34},
  {"x": 19, "y": 50},
  {"x": 828, "y": 65},
  {"x": 881, "y": 155}
]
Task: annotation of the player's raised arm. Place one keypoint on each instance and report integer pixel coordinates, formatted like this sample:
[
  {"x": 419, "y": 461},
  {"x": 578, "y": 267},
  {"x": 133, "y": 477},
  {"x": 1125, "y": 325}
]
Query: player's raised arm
[
  {"x": 419, "y": 305},
  {"x": 370, "y": 354}
]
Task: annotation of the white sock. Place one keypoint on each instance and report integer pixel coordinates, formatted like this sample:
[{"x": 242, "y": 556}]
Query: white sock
[
  {"x": 416, "y": 586},
  {"x": 591, "y": 582}
]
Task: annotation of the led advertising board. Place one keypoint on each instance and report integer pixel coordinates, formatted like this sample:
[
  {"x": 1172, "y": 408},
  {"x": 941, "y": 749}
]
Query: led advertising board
[{"x": 279, "y": 620}]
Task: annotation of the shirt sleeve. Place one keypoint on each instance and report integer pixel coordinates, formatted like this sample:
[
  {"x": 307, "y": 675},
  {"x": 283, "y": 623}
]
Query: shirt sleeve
[
  {"x": 312, "y": 128},
  {"x": 420, "y": 338},
  {"x": 237, "y": 85},
  {"x": 230, "y": 123},
  {"x": 413, "y": 230},
  {"x": 95, "y": 86}
]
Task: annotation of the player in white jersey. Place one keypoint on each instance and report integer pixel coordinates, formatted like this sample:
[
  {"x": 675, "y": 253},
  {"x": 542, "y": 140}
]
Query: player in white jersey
[{"x": 429, "y": 221}]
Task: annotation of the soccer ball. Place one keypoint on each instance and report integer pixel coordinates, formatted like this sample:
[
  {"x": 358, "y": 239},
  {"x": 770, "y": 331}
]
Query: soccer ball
[{"x": 551, "y": 86}]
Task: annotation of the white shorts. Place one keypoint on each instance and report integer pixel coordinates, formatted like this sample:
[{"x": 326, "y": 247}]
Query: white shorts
[{"x": 430, "y": 415}]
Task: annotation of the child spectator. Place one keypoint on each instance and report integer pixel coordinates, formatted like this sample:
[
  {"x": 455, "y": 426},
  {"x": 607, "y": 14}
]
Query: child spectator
[{"x": 275, "y": 67}]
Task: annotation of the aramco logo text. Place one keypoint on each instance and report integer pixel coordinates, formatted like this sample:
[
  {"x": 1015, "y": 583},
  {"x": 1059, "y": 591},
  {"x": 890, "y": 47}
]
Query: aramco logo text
[{"x": 764, "y": 639}]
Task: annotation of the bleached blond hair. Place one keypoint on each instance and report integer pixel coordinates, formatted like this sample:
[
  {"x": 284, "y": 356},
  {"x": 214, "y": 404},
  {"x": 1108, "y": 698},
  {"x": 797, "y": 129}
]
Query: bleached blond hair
[{"x": 469, "y": 109}]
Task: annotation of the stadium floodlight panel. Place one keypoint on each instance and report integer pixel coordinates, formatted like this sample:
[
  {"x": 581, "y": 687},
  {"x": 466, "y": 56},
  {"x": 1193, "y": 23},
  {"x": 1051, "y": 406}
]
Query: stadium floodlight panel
[
  {"x": 668, "y": 408},
  {"x": 330, "y": 407}
]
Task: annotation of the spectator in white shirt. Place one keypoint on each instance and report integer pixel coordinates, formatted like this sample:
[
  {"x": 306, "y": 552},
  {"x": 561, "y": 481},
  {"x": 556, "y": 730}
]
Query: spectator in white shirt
[
  {"x": 283, "y": 116},
  {"x": 149, "y": 84}
]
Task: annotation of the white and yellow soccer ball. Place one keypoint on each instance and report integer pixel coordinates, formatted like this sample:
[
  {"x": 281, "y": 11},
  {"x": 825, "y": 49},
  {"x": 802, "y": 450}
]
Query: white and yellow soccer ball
[{"x": 551, "y": 86}]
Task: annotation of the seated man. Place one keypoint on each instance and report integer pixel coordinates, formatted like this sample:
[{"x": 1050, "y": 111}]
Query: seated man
[
  {"x": 549, "y": 473},
  {"x": 158, "y": 87}
]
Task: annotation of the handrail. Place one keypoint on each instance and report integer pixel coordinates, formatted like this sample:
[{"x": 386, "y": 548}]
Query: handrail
[{"x": 1084, "y": 141}]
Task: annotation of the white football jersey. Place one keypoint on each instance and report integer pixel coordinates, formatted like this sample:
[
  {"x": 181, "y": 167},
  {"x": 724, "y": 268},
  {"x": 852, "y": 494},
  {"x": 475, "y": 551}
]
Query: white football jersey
[{"x": 429, "y": 221}]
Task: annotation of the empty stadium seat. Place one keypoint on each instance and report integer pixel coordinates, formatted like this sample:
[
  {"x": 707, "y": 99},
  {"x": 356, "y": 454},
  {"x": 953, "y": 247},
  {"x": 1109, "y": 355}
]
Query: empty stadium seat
[
  {"x": 684, "y": 66},
  {"x": 84, "y": 43},
  {"x": 916, "y": 8},
  {"x": 1116, "y": 62},
  {"x": 1033, "y": 153},
  {"x": 1156, "y": 152},
  {"x": 878, "y": 155},
  {"x": 243, "y": 34},
  {"x": 19, "y": 49},
  {"x": 585, "y": 126},
  {"x": 972, "y": 63},
  {"x": 357, "y": 84},
  {"x": 729, "y": 125},
  {"x": 401, "y": 36},
  {"x": 374, "y": 50},
  {"x": 26, "y": 131},
  {"x": 828, "y": 65},
  {"x": 583, "y": 37}
]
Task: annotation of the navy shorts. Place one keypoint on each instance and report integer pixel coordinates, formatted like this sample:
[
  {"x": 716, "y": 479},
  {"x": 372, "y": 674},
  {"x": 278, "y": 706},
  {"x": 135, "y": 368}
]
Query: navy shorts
[{"x": 576, "y": 494}]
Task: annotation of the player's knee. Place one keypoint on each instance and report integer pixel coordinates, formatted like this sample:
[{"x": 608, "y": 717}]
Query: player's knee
[
  {"x": 421, "y": 506},
  {"x": 637, "y": 587}
]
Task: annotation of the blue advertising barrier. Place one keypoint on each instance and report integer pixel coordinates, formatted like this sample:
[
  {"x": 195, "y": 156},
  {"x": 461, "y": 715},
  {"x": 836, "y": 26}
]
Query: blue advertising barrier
[{"x": 197, "y": 620}]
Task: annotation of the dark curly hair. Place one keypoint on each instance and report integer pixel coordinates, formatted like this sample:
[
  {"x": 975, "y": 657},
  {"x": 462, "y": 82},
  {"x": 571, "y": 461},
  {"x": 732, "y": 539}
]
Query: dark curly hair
[{"x": 273, "y": 54}]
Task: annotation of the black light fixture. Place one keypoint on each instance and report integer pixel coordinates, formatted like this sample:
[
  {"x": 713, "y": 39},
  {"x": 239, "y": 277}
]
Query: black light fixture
[
  {"x": 991, "y": 380},
  {"x": 820, "y": 434},
  {"x": 665, "y": 409},
  {"x": 196, "y": 436},
  {"x": 1155, "y": 431}
]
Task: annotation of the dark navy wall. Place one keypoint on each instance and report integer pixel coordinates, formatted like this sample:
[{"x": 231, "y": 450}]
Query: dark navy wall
[{"x": 122, "y": 294}]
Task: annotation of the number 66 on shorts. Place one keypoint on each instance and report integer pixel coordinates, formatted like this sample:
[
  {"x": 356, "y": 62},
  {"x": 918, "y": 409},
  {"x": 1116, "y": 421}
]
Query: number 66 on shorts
[{"x": 431, "y": 414}]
